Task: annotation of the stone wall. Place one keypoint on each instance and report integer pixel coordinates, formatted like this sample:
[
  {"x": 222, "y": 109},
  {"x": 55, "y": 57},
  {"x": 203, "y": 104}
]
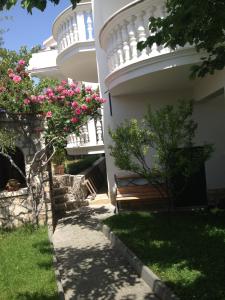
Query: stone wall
[{"x": 16, "y": 208}]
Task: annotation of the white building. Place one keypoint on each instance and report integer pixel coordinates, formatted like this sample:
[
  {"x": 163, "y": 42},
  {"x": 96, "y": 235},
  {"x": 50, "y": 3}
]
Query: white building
[{"x": 97, "y": 43}]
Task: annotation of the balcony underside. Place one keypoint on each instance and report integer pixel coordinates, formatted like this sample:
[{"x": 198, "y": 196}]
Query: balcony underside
[
  {"x": 165, "y": 72},
  {"x": 51, "y": 72},
  {"x": 79, "y": 62},
  {"x": 83, "y": 150}
]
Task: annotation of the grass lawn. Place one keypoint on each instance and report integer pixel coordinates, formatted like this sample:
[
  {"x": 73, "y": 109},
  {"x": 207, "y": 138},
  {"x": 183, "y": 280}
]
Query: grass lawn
[
  {"x": 26, "y": 268},
  {"x": 186, "y": 249}
]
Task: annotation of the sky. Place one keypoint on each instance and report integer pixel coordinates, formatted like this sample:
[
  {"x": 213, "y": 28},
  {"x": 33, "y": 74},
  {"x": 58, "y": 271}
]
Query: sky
[{"x": 29, "y": 30}]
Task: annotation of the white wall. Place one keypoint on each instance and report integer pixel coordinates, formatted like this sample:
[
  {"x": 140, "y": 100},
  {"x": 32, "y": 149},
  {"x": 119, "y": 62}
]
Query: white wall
[
  {"x": 133, "y": 106},
  {"x": 210, "y": 115}
]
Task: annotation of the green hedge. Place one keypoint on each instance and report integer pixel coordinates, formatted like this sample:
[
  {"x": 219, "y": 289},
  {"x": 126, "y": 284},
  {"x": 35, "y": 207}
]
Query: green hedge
[{"x": 75, "y": 167}]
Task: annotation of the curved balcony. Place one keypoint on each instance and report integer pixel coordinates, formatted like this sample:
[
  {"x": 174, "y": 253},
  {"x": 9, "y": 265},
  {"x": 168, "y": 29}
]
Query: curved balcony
[
  {"x": 119, "y": 37},
  {"x": 74, "y": 33},
  {"x": 90, "y": 140}
]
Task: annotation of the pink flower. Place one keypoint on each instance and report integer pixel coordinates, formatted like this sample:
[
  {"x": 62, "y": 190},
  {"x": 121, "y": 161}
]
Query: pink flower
[
  {"x": 64, "y": 92},
  {"x": 77, "y": 90},
  {"x": 49, "y": 90},
  {"x": 41, "y": 98},
  {"x": 49, "y": 114},
  {"x": 65, "y": 129},
  {"x": 102, "y": 100},
  {"x": 84, "y": 107},
  {"x": 26, "y": 101},
  {"x": 70, "y": 93},
  {"x": 50, "y": 94},
  {"x": 88, "y": 89},
  {"x": 88, "y": 99},
  {"x": 11, "y": 75},
  {"x": 33, "y": 98},
  {"x": 21, "y": 62},
  {"x": 74, "y": 104},
  {"x": 94, "y": 96},
  {"x": 16, "y": 78},
  {"x": 78, "y": 111},
  {"x": 10, "y": 71},
  {"x": 73, "y": 85},
  {"x": 60, "y": 88},
  {"x": 74, "y": 120},
  {"x": 63, "y": 82}
]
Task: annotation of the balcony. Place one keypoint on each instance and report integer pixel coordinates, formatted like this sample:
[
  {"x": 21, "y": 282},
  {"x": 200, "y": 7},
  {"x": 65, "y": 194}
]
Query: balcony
[
  {"x": 74, "y": 33},
  {"x": 43, "y": 64},
  {"x": 90, "y": 140},
  {"x": 126, "y": 65}
]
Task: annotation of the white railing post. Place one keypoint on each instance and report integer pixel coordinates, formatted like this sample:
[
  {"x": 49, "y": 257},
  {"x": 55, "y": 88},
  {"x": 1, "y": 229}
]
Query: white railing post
[
  {"x": 92, "y": 133},
  {"x": 99, "y": 132},
  {"x": 132, "y": 37},
  {"x": 126, "y": 48},
  {"x": 141, "y": 32},
  {"x": 90, "y": 26},
  {"x": 75, "y": 29},
  {"x": 81, "y": 26}
]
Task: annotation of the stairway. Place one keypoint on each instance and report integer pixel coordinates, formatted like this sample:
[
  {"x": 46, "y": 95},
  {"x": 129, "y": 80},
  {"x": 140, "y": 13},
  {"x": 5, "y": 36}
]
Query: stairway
[{"x": 68, "y": 194}]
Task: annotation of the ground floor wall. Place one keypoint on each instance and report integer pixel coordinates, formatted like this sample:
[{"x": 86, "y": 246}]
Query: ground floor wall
[{"x": 209, "y": 114}]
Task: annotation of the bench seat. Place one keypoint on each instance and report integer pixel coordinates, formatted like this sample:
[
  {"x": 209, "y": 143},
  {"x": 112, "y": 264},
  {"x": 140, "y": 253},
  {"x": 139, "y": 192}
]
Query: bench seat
[{"x": 137, "y": 193}]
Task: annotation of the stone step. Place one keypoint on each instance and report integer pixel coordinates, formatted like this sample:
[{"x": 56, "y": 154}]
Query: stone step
[
  {"x": 59, "y": 191},
  {"x": 66, "y": 206}
]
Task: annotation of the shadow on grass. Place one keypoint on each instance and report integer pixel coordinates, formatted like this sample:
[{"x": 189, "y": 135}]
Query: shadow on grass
[
  {"x": 37, "y": 296},
  {"x": 186, "y": 249},
  {"x": 43, "y": 247}
]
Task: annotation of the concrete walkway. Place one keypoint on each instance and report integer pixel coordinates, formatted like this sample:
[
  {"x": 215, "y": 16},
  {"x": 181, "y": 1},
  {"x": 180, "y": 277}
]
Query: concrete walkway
[{"x": 89, "y": 268}]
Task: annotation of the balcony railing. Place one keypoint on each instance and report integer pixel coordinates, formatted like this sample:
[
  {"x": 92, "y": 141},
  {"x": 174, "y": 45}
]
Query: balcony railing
[
  {"x": 74, "y": 26},
  {"x": 90, "y": 139},
  {"x": 121, "y": 33}
]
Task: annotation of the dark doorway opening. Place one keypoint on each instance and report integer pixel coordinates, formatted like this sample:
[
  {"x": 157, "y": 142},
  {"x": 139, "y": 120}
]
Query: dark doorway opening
[{"x": 7, "y": 171}]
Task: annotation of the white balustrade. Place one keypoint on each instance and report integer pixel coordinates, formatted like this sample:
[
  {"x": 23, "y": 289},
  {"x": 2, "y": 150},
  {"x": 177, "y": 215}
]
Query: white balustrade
[
  {"x": 74, "y": 26},
  {"x": 90, "y": 135},
  {"x": 122, "y": 32}
]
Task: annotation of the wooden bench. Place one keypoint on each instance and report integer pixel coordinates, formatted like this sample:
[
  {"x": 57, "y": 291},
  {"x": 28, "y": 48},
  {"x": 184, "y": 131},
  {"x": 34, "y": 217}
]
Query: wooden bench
[{"x": 136, "y": 191}]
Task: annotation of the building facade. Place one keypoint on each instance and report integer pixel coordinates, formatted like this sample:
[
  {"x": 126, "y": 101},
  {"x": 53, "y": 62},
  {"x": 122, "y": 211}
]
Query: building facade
[{"x": 97, "y": 42}]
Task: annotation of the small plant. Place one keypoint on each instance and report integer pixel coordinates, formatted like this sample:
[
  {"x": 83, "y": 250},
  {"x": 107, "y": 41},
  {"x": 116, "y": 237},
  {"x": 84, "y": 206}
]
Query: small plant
[
  {"x": 168, "y": 133},
  {"x": 59, "y": 156}
]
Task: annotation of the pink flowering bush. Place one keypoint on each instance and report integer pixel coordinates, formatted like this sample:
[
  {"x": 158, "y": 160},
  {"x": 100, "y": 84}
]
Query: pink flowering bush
[{"x": 65, "y": 107}]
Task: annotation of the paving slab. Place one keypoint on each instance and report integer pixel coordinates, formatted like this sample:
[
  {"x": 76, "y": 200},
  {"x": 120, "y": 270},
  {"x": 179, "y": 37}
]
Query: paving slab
[{"x": 89, "y": 267}]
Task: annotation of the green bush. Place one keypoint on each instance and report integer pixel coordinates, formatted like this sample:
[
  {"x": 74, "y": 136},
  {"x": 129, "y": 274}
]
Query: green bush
[{"x": 75, "y": 167}]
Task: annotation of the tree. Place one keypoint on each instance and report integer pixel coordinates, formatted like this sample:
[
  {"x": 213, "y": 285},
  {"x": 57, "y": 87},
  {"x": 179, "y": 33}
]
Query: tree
[
  {"x": 30, "y": 4},
  {"x": 51, "y": 108},
  {"x": 167, "y": 132},
  {"x": 200, "y": 23}
]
